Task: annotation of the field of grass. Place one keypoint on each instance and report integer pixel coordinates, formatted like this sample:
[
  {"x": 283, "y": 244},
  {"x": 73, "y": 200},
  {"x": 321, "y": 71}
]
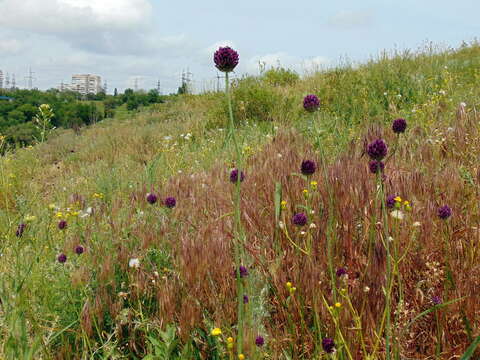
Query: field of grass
[{"x": 141, "y": 280}]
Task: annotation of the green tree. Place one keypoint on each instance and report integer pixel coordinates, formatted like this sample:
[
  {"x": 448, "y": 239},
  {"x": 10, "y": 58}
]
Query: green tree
[{"x": 16, "y": 117}]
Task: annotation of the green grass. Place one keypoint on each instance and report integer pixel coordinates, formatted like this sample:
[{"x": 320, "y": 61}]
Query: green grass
[{"x": 60, "y": 311}]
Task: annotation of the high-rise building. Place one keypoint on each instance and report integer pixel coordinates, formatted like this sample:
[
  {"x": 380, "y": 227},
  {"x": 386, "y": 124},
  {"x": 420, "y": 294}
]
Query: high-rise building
[{"x": 85, "y": 84}]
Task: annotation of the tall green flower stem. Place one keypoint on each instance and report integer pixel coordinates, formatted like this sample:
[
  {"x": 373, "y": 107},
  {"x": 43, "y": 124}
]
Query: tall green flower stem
[
  {"x": 331, "y": 208},
  {"x": 389, "y": 284},
  {"x": 239, "y": 232}
]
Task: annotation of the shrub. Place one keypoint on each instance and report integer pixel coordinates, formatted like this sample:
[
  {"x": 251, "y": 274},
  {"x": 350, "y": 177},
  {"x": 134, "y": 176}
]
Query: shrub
[
  {"x": 280, "y": 77},
  {"x": 254, "y": 100}
]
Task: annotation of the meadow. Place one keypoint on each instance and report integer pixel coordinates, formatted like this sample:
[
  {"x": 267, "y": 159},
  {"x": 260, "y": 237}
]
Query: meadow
[{"x": 334, "y": 216}]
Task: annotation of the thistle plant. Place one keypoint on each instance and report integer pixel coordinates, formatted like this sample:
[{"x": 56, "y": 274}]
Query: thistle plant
[{"x": 43, "y": 121}]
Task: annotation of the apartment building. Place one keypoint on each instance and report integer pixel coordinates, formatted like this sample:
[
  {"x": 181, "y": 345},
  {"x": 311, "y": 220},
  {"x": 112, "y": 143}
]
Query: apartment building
[{"x": 85, "y": 84}]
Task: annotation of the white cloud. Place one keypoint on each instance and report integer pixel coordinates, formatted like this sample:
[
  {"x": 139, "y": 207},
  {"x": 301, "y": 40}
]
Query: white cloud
[
  {"x": 298, "y": 64},
  {"x": 73, "y": 16},
  {"x": 214, "y": 47},
  {"x": 100, "y": 26},
  {"x": 315, "y": 63},
  {"x": 10, "y": 46}
]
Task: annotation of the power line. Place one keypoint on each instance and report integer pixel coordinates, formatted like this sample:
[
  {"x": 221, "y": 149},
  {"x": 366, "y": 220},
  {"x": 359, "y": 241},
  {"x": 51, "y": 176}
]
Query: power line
[
  {"x": 30, "y": 78},
  {"x": 186, "y": 80},
  {"x": 136, "y": 84},
  {"x": 218, "y": 81}
]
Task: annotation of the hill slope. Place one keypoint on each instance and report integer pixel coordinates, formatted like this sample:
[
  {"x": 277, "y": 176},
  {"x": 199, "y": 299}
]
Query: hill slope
[{"x": 149, "y": 279}]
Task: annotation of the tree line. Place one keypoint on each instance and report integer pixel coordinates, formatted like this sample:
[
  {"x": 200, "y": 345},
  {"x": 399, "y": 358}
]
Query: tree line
[{"x": 18, "y": 109}]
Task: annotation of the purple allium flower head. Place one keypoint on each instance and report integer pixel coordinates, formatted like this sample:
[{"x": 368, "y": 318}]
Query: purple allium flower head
[
  {"x": 20, "y": 229},
  {"x": 436, "y": 300},
  {"x": 444, "y": 212},
  {"x": 243, "y": 271},
  {"x": 377, "y": 149},
  {"x": 245, "y": 299},
  {"x": 62, "y": 258},
  {"x": 234, "y": 176},
  {"x": 311, "y": 103},
  {"x": 259, "y": 341},
  {"x": 299, "y": 219},
  {"x": 152, "y": 198},
  {"x": 328, "y": 345},
  {"x": 390, "y": 202},
  {"x": 79, "y": 249},
  {"x": 341, "y": 272},
  {"x": 308, "y": 167},
  {"x": 170, "y": 202},
  {"x": 226, "y": 59},
  {"x": 399, "y": 126},
  {"x": 376, "y": 166},
  {"x": 62, "y": 224}
]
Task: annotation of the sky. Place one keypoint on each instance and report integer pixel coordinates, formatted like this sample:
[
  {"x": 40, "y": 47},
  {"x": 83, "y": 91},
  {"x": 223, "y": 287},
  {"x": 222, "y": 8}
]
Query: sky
[{"x": 155, "y": 40}]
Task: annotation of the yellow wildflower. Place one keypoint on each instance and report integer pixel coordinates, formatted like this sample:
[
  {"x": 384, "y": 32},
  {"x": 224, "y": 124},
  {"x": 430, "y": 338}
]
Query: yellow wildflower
[
  {"x": 292, "y": 290},
  {"x": 29, "y": 218},
  {"x": 230, "y": 339},
  {"x": 305, "y": 192},
  {"x": 216, "y": 332},
  {"x": 241, "y": 357},
  {"x": 288, "y": 284},
  {"x": 338, "y": 305},
  {"x": 284, "y": 204},
  {"x": 313, "y": 184},
  {"x": 59, "y": 214},
  {"x": 398, "y": 199}
]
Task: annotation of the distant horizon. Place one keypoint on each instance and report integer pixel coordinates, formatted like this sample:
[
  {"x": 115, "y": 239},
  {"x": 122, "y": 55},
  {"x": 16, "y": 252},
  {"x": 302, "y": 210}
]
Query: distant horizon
[
  {"x": 322, "y": 67},
  {"x": 124, "y": 40}
]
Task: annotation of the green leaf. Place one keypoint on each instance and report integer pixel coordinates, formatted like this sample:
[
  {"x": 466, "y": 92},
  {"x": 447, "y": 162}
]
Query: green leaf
[
  {"x": 471, "y": 349},
  {"x": 428, "y": 311}
]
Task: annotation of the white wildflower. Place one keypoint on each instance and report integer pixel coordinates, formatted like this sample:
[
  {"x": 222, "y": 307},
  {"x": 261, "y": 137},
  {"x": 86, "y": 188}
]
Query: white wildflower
[
  {"x": 134, "y": 263},
  {"x": 397, "y": 214}
]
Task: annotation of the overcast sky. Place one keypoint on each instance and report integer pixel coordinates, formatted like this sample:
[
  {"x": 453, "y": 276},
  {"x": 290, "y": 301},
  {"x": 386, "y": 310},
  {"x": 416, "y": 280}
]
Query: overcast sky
[{"x": 155, "y": 40}]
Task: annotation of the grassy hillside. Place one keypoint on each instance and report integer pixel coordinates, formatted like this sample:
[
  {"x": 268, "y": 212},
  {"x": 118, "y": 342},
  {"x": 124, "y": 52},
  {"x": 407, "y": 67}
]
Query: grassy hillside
[{"x": 152, "y": 282}]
